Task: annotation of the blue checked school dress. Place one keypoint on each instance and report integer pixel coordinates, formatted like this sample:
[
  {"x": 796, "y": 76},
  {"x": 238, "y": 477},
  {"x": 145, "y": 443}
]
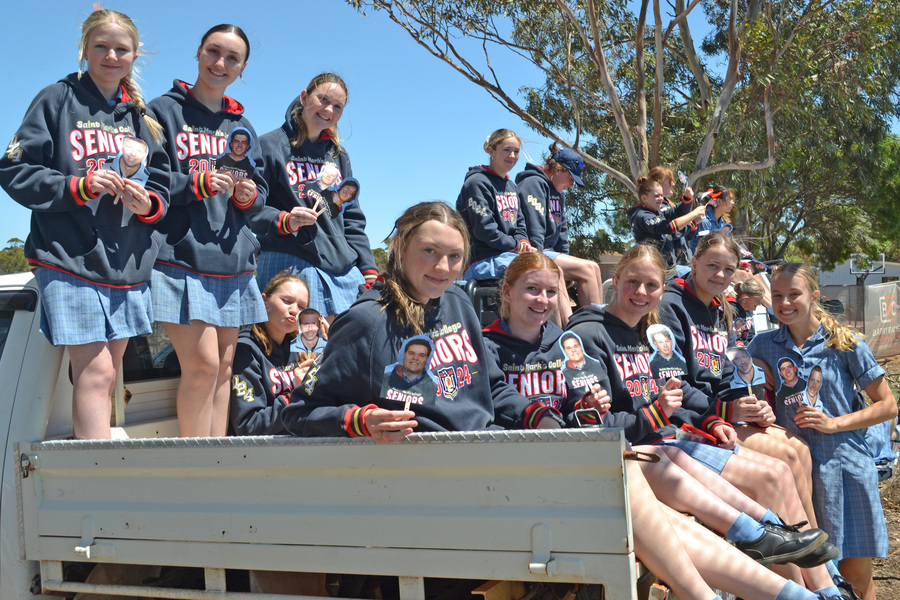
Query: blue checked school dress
[{"x": 845, "y": 481}]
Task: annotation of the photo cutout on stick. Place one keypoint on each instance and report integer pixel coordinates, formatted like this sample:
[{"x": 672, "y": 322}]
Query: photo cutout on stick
[
  {"x": 343, "y": 195},
  {"x": 410, "y": 380},
  {"x": 131, "y": 161},
  {"x": 813, "y": 387},
  {"x": 665, "y": 362},
  {"x": 793, "y": 388},
  {"x": 317, "y": 193},
  {"x": 746, "y": 374},
  {"x": 236, "y": 160},
  {"x": 580, "y": 370}
]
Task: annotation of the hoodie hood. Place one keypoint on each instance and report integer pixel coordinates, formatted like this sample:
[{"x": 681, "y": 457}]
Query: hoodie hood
[
  {"x": 181, "y": 92},
  {"x": 530, "y": 171}
]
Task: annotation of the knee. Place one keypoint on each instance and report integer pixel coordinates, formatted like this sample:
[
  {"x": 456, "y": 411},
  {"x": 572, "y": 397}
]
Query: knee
[{"x": 200, "y": 366}]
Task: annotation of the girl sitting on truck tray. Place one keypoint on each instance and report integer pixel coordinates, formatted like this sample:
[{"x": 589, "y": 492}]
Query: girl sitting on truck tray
[
  {"x": 93, "y": 298},
  {"x": 417, "y": 300},
  {"x": 265, "y": 367},
  {"x": 532, "y": 354}
]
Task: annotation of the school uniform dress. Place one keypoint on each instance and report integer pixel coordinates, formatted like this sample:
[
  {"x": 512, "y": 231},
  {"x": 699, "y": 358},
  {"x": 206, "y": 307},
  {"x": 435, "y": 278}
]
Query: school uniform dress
[
  {"x": 205, "y": 268},
  {"x": 365, "y": 340},
  {"x": 544, "y": 211},
  {"x": 92, "y": 257},
  {"x": 709, "y": 224},
  {"x": 845, "y": 480},
  {"x": 489, "y": 204},
  {"x": 333, "y": 256},
  {"x": 634, "y": 389}
]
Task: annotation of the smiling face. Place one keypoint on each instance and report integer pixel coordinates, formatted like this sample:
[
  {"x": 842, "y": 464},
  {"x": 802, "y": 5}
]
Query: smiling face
[
  {"x": 283, "y": 305},
  {"x": 221, "y": 59},
  {"x": 663, "y": 344},
  {"x": 712, "y": 272},
  {"x": 504, "y": 155},
  {"x": 309, "y": 327},
  {"x": 654, "y": 197},
  {"x": 322, "y": 107},
  {"x": 432, "y": 259},
  {"x": 133, "y": 152},
  {"x": 574, "y": 351},
  {"x": 240, "y": 144},
  {"x": 532, "y": 298},
  {"x": 788, "y": 372},
  {"x": 345, "y": 194},
  {"x": 638, "y": 288},
  {"x": 415, "y": 359},
  {"x": 792, "y": 301},
  {"x": 110, "y": 53}
]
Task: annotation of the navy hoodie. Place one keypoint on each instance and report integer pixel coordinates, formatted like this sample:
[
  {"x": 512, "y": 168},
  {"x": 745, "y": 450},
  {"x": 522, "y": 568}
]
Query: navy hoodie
[
  {"x": 205, "y": 233},
  {"x": 260, "y": 386},
  {"x": 333, "y": 245},
  {"x": 365, "y": 340},
  {"x": 626, "y": 356},
  {"x": 701, "y": 336},
  {"x": 489, "y": 204},
  {"x": 658, "y": 227},
  {"x": 68, "y": 132},
  {"x": 544, "y": 210},
  {"x": 535, "y": 370}
]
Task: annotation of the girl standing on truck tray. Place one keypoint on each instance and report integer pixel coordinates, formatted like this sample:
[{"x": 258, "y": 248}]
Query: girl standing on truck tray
[
  {"x": 700, "y": 319},
  {"x": 845, "y": 479},
  {"x": 530, "y": 351},
  {"x": 651, "y": 225},
  {"x": 203, "y": 283},
  {"x": 92, "y": 299},
  {"x": 418, "y": 299},
  {"x": 329, "y": 250},
  {"x": 653, "y": 411},
  {"x": 542, "y": 199},
  {"x": 719, "y": 203},
  {"x": 265, "y": 368}
]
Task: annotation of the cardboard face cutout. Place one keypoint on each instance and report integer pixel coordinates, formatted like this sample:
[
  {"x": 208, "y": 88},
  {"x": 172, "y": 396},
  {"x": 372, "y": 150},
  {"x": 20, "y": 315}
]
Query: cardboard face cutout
[
  {"x": 237, "y": 159},
  {"x": 581, "y": 371},
  {"x": 666, "y": 361},
  {"x": 411, "y": 380}
]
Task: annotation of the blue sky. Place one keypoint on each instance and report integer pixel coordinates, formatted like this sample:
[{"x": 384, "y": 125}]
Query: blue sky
[{"x": 412, "y": 125}]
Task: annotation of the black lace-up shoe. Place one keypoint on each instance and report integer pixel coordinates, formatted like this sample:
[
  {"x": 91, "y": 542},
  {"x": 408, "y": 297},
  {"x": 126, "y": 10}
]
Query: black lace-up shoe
[
  {"x": 848, "y": 592},
  {"x": 819, "y": 556},
  {"x": 782, "y": 544}
]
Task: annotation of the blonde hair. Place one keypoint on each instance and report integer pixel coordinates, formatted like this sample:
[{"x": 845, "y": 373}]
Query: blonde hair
[
  {"x": 297, "y": 114},
  {"x": 259, "y": 330},
  {"x": 840, "y": 336},
  {"x": 518, "y": 267},
  {"x": 396, "y": 295},
  {"x": 725, "y": 241},
  {"x": 638, "y": 253},
  {"x": 498, "y": 136},
  {"x": 111, "y": 17},
  {"x": 646, "y": 185}
]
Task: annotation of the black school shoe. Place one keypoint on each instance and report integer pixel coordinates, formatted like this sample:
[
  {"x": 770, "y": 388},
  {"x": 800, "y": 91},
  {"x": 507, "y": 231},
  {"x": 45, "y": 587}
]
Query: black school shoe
[
  {"x": 819, "y": 556},
  {"x": 848, "y": 592},
  {"x": 782, "y": 544}
]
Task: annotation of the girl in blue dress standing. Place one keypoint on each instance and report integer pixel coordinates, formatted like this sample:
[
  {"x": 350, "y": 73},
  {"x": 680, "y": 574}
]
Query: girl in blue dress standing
[{"x": 845, "y": 482}]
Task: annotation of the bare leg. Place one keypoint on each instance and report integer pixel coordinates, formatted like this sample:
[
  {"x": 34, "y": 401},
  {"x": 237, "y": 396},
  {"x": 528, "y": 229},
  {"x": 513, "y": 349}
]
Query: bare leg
[
  {"x": 722, "y": 565},
  {"x": 657, "y": 544},
  {"x": 94, "y": 368},
  {"x": 563, "y": 308},
  {"x": 198, "y": 349},
  {"x": 227, "y": 337},
  {"x": 858, "y": 571},
  {"x": 586, "y": 273},
  {"x": 780, "y": 443}
]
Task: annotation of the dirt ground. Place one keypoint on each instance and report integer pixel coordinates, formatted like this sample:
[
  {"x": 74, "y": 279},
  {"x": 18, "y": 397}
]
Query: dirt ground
[{"x": 887, "y": 570}]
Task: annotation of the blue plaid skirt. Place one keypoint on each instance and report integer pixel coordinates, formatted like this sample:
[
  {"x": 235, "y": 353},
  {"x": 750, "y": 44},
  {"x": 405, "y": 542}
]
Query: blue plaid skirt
[
  {"x": 181, "y": 296},
  {"x": 711, "y": 457},
  {"x": 75, "y": 311},
  {"x": 329, "y": 294}
]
